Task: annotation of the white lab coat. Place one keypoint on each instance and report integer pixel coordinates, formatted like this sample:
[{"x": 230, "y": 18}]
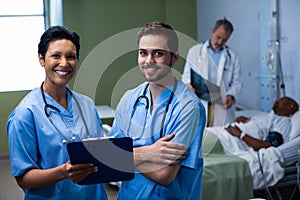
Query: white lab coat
[{"x": 229, "y": 73}]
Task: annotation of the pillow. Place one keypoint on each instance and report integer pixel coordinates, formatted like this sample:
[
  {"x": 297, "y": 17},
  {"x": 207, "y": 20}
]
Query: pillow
[{"x": 295, "y": 130}]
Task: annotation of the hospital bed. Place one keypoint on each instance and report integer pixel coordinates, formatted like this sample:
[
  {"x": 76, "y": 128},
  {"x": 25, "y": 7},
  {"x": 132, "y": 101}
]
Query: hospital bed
[
  {"x": 224, "y": 177},
  {"x": 222, "y": 183}
]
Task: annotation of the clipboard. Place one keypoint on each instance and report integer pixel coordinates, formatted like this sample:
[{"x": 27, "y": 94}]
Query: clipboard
[
  {"x": 112, "y": 156},
  {"x": 205, "y": 89}
]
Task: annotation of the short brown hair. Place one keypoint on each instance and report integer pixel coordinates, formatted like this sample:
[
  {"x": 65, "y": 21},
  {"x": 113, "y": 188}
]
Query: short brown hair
[{"x": 159, "y": 28}]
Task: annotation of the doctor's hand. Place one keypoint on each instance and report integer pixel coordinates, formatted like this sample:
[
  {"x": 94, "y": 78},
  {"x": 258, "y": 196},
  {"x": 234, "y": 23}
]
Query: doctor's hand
[
  {"x": 229, "y": 102},
  {"x": 79, "y": 171},
  {"x": 161, "y": 152},
  {"x": 168, "y": 152}
]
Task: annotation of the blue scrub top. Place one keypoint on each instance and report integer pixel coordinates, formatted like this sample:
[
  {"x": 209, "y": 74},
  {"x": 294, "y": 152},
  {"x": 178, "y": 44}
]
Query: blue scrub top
[
  {"x": 185, "y": 118},
  {"x": 35, "y": 143}
]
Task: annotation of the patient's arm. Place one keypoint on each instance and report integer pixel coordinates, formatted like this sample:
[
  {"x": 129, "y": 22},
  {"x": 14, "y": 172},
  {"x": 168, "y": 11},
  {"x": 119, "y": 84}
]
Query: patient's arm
[{"x": 255, "y": 143}]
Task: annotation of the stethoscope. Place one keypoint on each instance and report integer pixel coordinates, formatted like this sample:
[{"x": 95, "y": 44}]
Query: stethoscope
[
  {"x": 226, "y": 60},
  {"x": 147, "y": 104},
  {"x": 47, "y": 106}
]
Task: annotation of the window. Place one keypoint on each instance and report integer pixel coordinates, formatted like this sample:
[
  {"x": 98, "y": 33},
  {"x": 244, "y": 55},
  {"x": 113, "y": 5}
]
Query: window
[{"x": 22, "y": 24}]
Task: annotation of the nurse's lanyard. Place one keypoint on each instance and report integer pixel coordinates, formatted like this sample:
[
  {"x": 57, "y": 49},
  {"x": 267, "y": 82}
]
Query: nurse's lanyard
[
  {"x": 66, "y": 139},
  {"x": 143, "y": 96}
]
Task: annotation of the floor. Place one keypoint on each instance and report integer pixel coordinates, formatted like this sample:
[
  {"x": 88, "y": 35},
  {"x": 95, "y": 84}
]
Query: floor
[{"x": 9, "y": 188}]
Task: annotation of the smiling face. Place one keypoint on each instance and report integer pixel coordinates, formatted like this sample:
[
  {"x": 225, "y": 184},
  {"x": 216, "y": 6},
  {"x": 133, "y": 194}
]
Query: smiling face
[
  {"x": 60, "y": 63},
  {"x": 155, "y": 59}
]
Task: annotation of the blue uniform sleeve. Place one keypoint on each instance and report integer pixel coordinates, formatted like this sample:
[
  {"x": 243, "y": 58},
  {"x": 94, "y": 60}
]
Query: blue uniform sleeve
[
  {"x": 22, "y": 143},
  {"x": 189, "y": 131}
]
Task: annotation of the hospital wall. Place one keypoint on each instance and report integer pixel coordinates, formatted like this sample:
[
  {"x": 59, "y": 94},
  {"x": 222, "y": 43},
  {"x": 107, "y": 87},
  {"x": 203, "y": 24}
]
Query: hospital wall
[
  {"x": 106, "y": 23},
  {"x": 98, "y": 21}
]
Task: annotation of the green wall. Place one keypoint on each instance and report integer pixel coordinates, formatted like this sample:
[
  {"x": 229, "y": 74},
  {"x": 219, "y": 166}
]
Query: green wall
[
  {"x": 8, "y": 100},
  {"x": 100, "y": 20},
  {"x": 97, "y": 21}
]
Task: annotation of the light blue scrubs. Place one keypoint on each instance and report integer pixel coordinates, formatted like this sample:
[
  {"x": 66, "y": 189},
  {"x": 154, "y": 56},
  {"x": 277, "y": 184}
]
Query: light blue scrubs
[
  {"x": 35, "y": 143},
  {"x": 185, "y": 118}
]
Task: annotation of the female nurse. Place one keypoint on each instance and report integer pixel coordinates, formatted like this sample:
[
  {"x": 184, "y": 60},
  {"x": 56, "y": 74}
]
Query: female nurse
[{"x": 47, "y": 119}]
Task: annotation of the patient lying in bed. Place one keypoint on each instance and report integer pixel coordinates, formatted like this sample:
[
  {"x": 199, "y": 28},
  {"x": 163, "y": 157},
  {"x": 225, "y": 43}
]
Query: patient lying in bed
[{"x": 255, "y": 139}]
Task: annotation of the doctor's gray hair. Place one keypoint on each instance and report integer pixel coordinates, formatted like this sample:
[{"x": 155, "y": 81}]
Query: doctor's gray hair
[
  {"x": 226, "y": 23},
  {"x": 159, "y": 28}
]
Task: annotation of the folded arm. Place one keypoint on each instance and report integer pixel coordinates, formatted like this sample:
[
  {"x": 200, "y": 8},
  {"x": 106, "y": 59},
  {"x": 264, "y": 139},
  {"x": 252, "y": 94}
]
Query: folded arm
[{"x": 159, "y": 162}]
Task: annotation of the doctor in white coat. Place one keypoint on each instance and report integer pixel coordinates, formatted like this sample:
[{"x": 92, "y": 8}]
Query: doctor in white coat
[{"x": 219, "y": 64}]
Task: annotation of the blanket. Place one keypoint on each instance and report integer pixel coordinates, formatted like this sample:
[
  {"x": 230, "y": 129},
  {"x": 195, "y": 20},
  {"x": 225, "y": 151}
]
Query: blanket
[
  {"x": 265, "y": 165},
  {"x": 225, "y": 176}
]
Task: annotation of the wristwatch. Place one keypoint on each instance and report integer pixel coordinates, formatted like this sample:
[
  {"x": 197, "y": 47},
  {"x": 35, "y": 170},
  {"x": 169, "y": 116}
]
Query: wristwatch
[{"x": 242, "y": 135}]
